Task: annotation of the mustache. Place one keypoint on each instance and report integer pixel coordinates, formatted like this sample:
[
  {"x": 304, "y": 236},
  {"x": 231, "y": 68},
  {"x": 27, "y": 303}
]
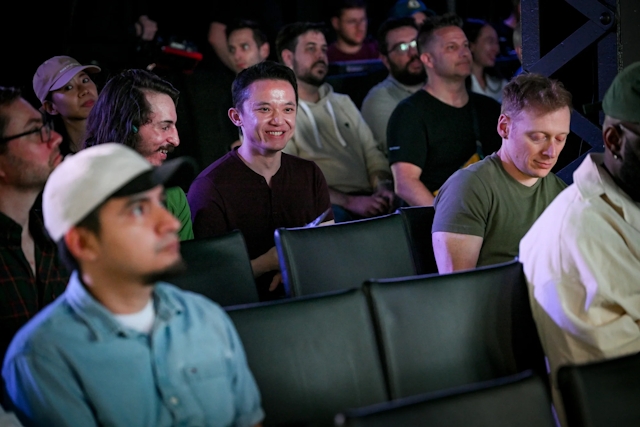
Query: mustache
[
  {"x": 168, "y": 148},
  {"x": 321, "y": 62}
]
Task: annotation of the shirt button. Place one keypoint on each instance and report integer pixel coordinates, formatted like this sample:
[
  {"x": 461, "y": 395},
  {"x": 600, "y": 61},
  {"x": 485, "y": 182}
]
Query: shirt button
[{"x": 173, "y": 400}]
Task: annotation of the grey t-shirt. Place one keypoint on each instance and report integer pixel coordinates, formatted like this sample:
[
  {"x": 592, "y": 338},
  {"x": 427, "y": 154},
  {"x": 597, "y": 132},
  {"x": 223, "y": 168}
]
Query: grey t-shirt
[{"x": 484, "y": 200}]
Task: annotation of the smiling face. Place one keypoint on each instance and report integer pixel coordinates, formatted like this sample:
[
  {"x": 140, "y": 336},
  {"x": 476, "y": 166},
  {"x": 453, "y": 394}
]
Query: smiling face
[
  {"x": 244, "y": 50},
  {"x": 267, "y": 116},
  {"x": 27, "y": 161},
  {"x": 159, "y": 136},
  {"x": 448, "y": 55},
  {"x": 532, "y": 142},
  {"x": 486, "y": 47},
  {"x": 74, "y": 100}
]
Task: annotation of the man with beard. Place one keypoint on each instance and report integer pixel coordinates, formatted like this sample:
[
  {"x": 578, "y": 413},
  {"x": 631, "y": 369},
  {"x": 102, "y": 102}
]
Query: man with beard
[
  {"x": 31, "y": 274},
  {"x": 138, "y": 108},
  {"x": 581, "y": 257},
  {"x": 349, "y": 21},
  {"x": 437, "y": 130},
  {"x": 120, "y": 347},
  {"x": 331, "y": 131},
  {"x": 399, "y": 53}
]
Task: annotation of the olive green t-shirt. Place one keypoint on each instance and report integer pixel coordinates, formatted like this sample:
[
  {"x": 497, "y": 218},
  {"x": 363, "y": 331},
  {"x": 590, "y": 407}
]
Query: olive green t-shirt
[
  {"x": 178, "y": 206},
  {"x": 484, "y": 200}
]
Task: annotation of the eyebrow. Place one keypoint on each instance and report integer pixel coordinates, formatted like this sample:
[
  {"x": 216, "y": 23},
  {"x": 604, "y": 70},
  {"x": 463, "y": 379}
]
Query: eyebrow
[{"x": 136, "y": 198}]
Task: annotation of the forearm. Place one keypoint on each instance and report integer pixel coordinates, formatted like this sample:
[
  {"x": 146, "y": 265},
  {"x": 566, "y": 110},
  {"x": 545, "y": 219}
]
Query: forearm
[
  {"x": 265, "y": 263},
  {"x": 218, "y": 41},
  {"x": 414, "y": 192},
  {"x": 339, "y": 198}
]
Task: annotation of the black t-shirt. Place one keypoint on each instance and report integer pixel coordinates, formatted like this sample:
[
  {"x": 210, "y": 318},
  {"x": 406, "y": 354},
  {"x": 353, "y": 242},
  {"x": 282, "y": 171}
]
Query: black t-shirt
[{"x": 439, "y": 138}]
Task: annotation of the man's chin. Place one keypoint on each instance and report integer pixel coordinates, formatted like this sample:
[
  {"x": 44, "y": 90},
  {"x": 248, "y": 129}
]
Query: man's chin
[{"x": 166, "y": 274}]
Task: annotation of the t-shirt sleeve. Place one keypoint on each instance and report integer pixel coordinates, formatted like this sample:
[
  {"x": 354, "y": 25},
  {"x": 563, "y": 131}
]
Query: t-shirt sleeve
[
  {"x": 323, "y": 201},
  {"x": 406, "y": 139},
  {"x": 179, "y": 207},
  {"x": 462, "y": 205},
  {"x": 207, "y": 209}
]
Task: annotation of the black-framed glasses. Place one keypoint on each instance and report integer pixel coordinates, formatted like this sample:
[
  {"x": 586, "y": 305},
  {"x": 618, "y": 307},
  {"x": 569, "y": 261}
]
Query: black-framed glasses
[
  {"x": 44, "y": 131},
  {"x": 404, "y": 47}
]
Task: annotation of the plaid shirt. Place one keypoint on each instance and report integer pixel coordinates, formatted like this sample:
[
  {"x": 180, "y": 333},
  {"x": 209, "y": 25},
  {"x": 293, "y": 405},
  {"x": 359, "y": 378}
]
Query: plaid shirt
[{"x": 21, "y": 294}]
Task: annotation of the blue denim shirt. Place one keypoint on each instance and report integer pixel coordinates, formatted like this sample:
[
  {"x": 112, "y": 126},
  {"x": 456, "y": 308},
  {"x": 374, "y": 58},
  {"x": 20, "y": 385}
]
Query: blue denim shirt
[{"x": 74, "y": 364}]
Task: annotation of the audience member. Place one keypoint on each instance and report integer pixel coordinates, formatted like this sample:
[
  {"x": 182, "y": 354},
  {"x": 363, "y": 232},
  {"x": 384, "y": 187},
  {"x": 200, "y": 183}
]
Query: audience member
[
  {"x": 68, "y": 94},
  {"x": 517, "y": 45},
  {"x": 506, "y": 27},
  {"x": 443, "y": 127},
  {"x": 399, "y": 53},
  {"x": 350, "y": 23},
  {"x": 483, "y": 44},
  {"x": 247, "y": 44},
  {"x": 414, "y": 9},
  {"x": 31, "y": 275},
  {"x": 120, "y": 347},
  {"x": 482, "y": 211},
  {"x": 331, "y": 131},
  {"x": 256, "y": 188},
  {"x": 137, "y": 108},
  {"x": 582, "y": 256}
]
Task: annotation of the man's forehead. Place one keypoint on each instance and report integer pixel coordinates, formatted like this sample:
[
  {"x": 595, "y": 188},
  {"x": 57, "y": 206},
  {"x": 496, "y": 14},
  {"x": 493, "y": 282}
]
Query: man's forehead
[
  {"x": 312, "y": 36},
  {"x": 20, "y": 113},
  {"x": 449, "y": 34},
  {"x": 400, "y": 34},
  {"x": 241, "y": 35}
]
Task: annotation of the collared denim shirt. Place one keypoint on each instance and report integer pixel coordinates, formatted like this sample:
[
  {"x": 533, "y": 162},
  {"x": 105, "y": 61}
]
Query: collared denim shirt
[{"x": 74, "y": 364}]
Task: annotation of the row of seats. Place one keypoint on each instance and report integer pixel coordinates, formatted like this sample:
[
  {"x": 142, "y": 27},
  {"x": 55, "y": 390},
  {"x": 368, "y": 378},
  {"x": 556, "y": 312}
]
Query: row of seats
[
  {"x": 320, "y": 355},
  {"x": 315, "y": 259}
]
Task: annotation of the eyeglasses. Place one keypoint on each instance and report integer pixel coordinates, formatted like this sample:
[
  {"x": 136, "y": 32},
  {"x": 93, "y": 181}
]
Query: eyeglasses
[
  {"x": 404, "y": 47},
  {"x": 44, "y": 130}
]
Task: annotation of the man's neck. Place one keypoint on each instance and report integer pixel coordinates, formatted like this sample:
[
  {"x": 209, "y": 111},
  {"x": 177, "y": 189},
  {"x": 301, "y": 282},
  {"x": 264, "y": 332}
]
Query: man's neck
[
  {"x": 262, "y": 163},
  {"x": 347, "y": 48},
  {"x": 76, "y": 130},
  {"x": 510, "y": 167},
  {"x": 450, "y": 91},
  {"x": 115, "y": 293},
  {"x": 308, "y": 92},
  {"x": 17, "y": 204}
]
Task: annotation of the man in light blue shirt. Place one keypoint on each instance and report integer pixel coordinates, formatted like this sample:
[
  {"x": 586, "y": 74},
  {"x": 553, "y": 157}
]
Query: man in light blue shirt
[{"x": 120, "y": 347}]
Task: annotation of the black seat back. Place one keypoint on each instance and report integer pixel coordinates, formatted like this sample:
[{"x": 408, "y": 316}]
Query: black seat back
[
  {"x": 312, "y": 357},
  {"x": 442, "y": 331},
  {"x": 219, "y": 268},
  {"x": 344, "y": 255},
  {"x": 418, "y": 220}
]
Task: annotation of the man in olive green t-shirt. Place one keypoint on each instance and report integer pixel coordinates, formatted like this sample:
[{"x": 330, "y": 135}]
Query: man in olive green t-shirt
[{"x": 482, "y": 211}]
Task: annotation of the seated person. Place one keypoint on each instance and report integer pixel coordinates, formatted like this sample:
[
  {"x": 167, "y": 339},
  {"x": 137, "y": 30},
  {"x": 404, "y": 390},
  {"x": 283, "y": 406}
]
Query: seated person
[
  {"x": 483, "y": 210},
  {"x": 138, "y": 109},
  {"x": 256, "y": 188},
  {"x": 68, "y": 94},
  {"x": 350, "y": 23},
  {"x": 120, "y": 347},
  {"x": 414, "y": 9},
  {"x": 31, "y": 275},
  {"x": 331, "y": 131},
  {"x": 582, "y": 256},
  {"x": 248, "y": 45}
]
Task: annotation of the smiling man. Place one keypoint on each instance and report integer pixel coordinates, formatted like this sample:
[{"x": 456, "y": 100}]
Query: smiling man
[
  {"x": 137, "y": 108},
  {"x": 256, "y": 188},
  {"x": 483, "y": 210},
  {"x": 121, "y": 347}
]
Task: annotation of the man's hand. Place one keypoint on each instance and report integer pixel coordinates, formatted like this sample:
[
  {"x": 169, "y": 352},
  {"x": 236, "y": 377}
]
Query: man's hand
[
  {"x": 146, "y": 28},
  {"x": 388, "y": 195},
  {"x": 265, "y": 263},
  {"x": 277, "y": 279},
  {"x": 367, "y": 206}
]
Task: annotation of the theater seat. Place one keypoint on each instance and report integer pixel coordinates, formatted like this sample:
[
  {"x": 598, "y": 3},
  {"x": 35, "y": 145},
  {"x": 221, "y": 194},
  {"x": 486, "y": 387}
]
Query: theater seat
[
  {"x": 344, "y": 255},
  {"x": 418, "y": 220},
  {"x": 312, "y": 357},
  {"x": 219, "y": 268},
  {"x": 602, "y": 393},
  {"x": 443, "y": 331},
  {"x": 520, "y": 400}
]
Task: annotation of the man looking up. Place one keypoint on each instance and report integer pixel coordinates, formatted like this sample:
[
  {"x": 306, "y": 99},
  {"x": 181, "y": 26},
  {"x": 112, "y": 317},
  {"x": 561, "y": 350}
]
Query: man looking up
[
  {"x": 256, "y": 188},
  {"x": 399, "y": 53},
  {"x": 331, "y": 131},
  {"x": 120, "y": 347},
  {"x": 483, "y": 210},
  {"x": 31, "y": 275},
  {"x": 437, "y": 130},
  {"x": 137, "y": 108}
]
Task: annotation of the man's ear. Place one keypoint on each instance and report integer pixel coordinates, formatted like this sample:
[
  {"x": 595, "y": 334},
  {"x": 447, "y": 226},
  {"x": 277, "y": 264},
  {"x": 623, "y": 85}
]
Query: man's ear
[
  {"x": 48, "y": 107},
  {"x": 504, "y": 124},
  {"x": 234, "y": 115},
  {"x": 264, "y": 51},
  {"x": 335, "y": 22},
  {"x": 426, "y": 60},
  {"x": 82, "y": 244},
  {"x": 385, "y": 61},
  {"x": 612, "y": 139},
  {"x": 287, "y": 58}
]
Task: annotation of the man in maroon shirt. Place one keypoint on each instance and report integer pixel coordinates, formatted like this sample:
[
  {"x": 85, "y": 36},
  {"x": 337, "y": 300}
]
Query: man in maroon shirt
[
  {"x": 256, "y": 188},
  {"x": 350, "y": 24}
]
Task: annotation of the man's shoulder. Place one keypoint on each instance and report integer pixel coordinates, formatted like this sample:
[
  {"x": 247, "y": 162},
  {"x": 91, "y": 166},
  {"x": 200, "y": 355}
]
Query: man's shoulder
[
  {"x": 188, "y": 302},
  {"x": 221, "y": 167},
  {"x": 485, "y": 104}
]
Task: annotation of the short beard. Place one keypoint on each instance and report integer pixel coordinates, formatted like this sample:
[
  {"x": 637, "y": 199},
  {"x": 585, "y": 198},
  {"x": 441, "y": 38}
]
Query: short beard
[
  {"x": 311, "y": 79},
  {"x": 168, "y": 273},
  {"x": 407, "y": 78}
]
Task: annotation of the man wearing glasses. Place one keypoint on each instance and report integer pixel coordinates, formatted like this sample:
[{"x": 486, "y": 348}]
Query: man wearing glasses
[
  {"x": 399, "y": 53},
  {"x": 30, "y": 273}
]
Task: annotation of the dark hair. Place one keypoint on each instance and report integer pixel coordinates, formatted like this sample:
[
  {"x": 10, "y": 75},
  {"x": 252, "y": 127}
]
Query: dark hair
[
  {"x": 91, "y": 222},
  {"x": 340, "y": 6},
  {"x": 258, "y": 35},
  {"x": 288, "y": 35},
  {"x": 425, "y": 35},
  {"x": 472, "y": 28},
  {"x": 389, "y": 25},
  {"x": 535, "y": 92},
  {"x": 122, "y": 107},
  {"x": 265, "y": 70},
  {"x": 8, "y": 95}
]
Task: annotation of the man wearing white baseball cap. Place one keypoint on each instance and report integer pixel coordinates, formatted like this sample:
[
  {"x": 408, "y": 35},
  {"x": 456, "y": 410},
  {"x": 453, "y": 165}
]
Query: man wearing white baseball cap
[
  {"x": 67, "y": 93},
  {"x": 120, "y": 347}
]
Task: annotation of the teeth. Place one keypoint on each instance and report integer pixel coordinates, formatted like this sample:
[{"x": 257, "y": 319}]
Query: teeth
[
  {"x": 275, "y": 133},
  {"x": 164, "y": 151}
]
